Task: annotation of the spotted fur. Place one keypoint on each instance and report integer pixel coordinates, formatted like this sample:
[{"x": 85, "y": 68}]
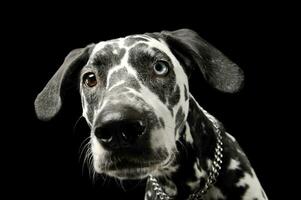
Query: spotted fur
[{"x": 178, "y": 146}]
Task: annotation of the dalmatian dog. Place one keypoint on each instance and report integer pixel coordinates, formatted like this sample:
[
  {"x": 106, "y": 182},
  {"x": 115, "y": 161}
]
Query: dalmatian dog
[{"x": 144, "y": 121}]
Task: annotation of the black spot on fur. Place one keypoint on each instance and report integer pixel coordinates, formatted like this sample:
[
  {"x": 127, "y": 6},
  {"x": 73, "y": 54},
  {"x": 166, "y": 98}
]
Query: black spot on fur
[
  {"x": 180, "y": 116},
  {"x": 185, "y": 93},
  {"x": 132, "y": 40},
  {"x": 175, "y": 97},
  {"x": 162, "y": 122},
  {"x": 263, "y": 194},
  {"x": 171, "y": 110}
]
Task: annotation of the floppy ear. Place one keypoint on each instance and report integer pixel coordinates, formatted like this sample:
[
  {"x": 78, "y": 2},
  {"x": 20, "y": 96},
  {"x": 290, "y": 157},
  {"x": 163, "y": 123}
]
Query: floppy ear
[
  {"x": 193, "y": 51},
  {"x": 49, "y": 100}
]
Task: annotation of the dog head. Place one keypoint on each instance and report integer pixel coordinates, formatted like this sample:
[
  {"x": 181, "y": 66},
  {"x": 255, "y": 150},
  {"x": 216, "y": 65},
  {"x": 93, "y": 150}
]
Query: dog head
[{"x": 135, "y": 95}]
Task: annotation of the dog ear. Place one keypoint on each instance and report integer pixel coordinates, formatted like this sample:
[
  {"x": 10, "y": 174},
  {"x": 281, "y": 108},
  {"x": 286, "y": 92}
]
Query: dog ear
[
  {"x": 49, "y": 100},
  {"x": 193, "y": 51}
]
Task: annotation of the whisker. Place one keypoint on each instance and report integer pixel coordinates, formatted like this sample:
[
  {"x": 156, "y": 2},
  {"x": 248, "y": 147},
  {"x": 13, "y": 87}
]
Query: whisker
[
  {"x": 121, "y": 185},
  {"x": 76, "y": 123},
  {"x": 104, "y": 176},
  {"x": 83, "y": 147},
  {"x": 85, "y": 150},
  {"x": 87, "y": 161},
  {"x": 92, "y": 172}
]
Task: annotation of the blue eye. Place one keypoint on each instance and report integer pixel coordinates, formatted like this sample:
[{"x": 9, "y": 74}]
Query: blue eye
[{"x": 161, "y": 68}]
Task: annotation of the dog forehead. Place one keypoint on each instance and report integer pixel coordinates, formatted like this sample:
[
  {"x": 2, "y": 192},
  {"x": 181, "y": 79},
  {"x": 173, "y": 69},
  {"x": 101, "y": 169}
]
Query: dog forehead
[
  {"x": 105, "y": 47},
  {"x": 129, "y": 42}
]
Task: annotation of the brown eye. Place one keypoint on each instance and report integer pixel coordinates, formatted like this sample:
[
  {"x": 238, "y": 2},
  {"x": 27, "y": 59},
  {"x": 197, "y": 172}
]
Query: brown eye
[
  {"x": 89, "y": 79},
  {"x": 161, "y": 68}
]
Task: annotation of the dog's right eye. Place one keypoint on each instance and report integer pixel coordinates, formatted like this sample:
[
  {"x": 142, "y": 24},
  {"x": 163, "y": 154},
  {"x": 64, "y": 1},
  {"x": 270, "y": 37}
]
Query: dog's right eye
[{"x": 89, "y": 79}]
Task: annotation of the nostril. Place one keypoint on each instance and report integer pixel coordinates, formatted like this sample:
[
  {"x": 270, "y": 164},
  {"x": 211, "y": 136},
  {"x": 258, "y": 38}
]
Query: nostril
[
  {"x": 103, "y": 134},
  {"x": 107, "y": 140},
  {"x": 130, "y": 130}
]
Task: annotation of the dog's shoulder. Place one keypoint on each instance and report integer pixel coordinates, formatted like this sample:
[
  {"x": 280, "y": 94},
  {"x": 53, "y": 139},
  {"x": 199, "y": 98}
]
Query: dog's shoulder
[{"x": 237, "y": 178}]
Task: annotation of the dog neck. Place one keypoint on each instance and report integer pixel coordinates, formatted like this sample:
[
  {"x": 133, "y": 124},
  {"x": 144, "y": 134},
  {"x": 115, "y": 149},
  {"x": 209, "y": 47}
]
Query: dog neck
[{"x": 196, "y": 143}]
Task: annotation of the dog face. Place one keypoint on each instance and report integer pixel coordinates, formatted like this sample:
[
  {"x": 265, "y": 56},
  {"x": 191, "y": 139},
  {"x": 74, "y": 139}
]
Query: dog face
[
  {"x": 135, "y": 99},
  {"x": 134, "y": 94}
]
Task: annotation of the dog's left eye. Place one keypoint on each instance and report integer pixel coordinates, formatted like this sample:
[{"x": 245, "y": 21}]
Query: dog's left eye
[
  {"x": 161, "y": 68},
  {"x": 90, "y": 79}
]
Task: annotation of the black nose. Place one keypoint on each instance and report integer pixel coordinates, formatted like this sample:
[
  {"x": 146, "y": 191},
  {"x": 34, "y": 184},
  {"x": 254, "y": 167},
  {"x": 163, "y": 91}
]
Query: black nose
[{"x": 120, "y": 133}]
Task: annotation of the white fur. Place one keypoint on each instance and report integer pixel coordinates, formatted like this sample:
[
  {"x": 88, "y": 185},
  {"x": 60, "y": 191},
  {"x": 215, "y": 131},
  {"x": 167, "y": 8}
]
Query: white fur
[
  {"x": 214, "y": 193},
  {"x": 148, "y": 195},
  {"x": 97, "y": 152},
  {"x": 188, "y": 136},
  {"x": 234, "y": 164},
  {"x": 254, "y": 190},
  {"x": 117, "y": 84},
  {"x": 198, "y": 174},
  {"x": 231, "y": 137}
]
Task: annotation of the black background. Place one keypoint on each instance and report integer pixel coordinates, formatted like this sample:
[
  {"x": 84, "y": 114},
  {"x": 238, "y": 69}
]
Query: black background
[{"x": 43, "y": 157}]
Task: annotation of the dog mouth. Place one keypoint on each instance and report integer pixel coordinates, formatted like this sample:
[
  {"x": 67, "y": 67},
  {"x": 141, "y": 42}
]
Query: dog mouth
[
  {"x": 133, "y": 172},
  {"x": 133, "y": 168},
  {"x": 129, "y": 169}
]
